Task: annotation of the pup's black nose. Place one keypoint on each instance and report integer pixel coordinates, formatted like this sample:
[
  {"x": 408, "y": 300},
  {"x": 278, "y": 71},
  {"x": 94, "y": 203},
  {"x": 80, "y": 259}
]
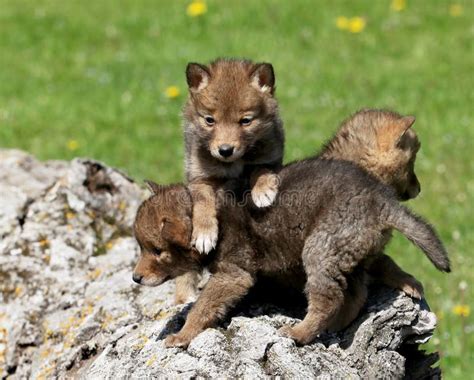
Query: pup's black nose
[
  {"x": 137, "y": 278},
  {"x": 226, "y": 150}
]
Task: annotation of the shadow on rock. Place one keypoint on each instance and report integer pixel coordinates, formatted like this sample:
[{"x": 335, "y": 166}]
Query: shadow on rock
[{"x": 175, "y": 323}]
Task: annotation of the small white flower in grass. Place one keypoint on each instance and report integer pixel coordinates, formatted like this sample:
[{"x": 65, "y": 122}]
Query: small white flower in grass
[
  {"x": 441, "y": 168},
  {"x": 126, "y": 97}
]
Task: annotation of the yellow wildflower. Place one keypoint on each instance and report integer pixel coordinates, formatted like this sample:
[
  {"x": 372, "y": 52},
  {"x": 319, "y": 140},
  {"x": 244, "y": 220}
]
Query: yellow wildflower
[
  {"x": 462, "y": 310},
  {"x": 196, "y": 8},
  {"x": 356, "y": 24},
  {"x": 455, "y": 10},
  {"x": 72, "y": 145},
  {"x": 172, "y": 92},
  {"x": 342, "y": 23},
  {"x": 109, "y": 245},
  {"x": 69, "y": 215},
  {"x": 398, "y": 5}
]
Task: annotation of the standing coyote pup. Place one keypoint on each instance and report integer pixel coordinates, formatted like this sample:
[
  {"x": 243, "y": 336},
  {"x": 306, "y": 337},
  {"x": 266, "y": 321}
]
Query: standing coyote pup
[
  {"x": 232, "y": 129},
  {"x": 384, "y": 144}
]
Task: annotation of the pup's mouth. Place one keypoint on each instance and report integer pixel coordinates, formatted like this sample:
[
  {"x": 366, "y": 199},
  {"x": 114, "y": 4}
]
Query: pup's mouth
[{"x": 154, "y": 281}]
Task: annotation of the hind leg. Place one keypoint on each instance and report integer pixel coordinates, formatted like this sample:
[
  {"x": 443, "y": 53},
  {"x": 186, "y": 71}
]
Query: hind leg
[
  {"x": 355, "y": 297},
  {"x": 383, "y": 269},
  {"x": 324, "y": 289},
  {"x": 322, "y": 307}
]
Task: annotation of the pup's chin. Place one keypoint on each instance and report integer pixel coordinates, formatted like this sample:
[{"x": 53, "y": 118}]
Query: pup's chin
[{"x": 154, "y": 281}]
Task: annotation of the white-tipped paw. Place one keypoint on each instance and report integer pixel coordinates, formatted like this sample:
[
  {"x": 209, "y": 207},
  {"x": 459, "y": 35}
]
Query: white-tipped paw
[
  {"x": 265, "y": 190},
  {"x": 205, "y": 239},
  {"x": 264, "y": 198}
]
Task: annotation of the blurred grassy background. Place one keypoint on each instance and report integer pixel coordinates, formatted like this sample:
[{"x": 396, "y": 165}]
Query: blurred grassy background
[{"x": 92, "y": 80}]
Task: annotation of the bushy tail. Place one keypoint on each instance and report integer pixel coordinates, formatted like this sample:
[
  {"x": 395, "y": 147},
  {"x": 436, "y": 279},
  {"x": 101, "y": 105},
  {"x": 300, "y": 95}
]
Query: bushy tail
[{"x": 420, "y": 233}]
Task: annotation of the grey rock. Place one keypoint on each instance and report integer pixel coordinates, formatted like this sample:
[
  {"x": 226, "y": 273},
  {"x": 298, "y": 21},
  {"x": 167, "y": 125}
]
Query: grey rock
[{"x": 69, "y": 308}]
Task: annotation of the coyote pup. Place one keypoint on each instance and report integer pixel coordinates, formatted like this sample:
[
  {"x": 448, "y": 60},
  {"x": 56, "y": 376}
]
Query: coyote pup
[
  {"x": 232, "y": 130},
  {"x": 383, "y": 143}
]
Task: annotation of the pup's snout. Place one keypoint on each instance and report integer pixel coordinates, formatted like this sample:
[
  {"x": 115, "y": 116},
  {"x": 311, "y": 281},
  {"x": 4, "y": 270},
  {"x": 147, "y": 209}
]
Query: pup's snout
[
  {"x": 226, "y": 150},
  {"x": 137, "y": 278},
  {"x": 413, "y": 193},
  {"x": 414, "y": 188}
]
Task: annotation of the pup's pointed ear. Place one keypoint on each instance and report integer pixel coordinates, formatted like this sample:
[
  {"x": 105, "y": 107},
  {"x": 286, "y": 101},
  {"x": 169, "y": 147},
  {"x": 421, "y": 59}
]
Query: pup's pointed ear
[
  {"x": 391, "y": 135},
  {"x": 177, "y": 231},
  {"x": 263, "y": 77},
  {"x": 408, "y": 121},
  {"x": 153, "y": 186},
  {"x": 197, "y": 76},
  {"x": 404, "y": 125}
]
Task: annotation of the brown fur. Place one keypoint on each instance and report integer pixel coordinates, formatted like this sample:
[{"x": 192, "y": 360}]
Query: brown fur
[
  {"x": 383, "y": 143},
  {"x": 231, "y": 105},
  {"x": 186, "y": 288},
  {"x": 330, "y": 217}
]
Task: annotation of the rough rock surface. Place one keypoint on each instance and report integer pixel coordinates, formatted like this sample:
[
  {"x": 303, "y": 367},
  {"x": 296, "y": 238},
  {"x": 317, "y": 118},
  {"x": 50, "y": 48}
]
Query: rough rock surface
[{"x": 69, "y": 308}]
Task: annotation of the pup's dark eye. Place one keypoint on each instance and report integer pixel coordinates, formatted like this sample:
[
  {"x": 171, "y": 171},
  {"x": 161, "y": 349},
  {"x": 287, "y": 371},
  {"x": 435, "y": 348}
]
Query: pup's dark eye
[
  {"x": 209, "y": 120},
  {"x": 156, "y": 251},
  {"x": 245, "y": 121}
]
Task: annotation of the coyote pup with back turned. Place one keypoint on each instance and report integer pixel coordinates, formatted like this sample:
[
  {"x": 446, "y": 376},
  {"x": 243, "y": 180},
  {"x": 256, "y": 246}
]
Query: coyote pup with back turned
[{"x": 232, "y": 130}]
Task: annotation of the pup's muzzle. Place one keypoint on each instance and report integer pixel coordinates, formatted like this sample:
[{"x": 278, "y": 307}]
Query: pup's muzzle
[
  {"x": 137, "y": 278},
  {"x": 226, "y": 150}
]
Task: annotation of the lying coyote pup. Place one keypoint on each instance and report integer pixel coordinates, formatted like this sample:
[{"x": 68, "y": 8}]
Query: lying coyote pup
[{"x": 329, "y": 217}]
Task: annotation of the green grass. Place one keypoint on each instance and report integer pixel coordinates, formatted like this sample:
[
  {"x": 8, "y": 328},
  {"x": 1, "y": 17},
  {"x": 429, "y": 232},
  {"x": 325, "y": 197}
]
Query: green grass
[{"x": 96, "y": 73}]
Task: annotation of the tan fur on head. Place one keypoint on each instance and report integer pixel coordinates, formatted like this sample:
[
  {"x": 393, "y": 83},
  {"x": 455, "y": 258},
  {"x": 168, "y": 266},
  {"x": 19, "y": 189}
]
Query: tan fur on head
[
  {"x": 163, "y": 230},
  {"x": 382, "y": 143},
  {"x": 231, "y": 105},
  {"x": 391, "y": 133}
]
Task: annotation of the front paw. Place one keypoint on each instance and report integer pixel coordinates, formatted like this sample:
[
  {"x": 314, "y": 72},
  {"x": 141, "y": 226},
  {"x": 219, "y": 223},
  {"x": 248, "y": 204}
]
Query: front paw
[
  {"x": 204, "y": 237},
  {"x": 286, "y": 331},
  {"x": 265, "y": 190},
  {"x": 177, "y": 340},
  {"x": 297, "y": 334}
]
